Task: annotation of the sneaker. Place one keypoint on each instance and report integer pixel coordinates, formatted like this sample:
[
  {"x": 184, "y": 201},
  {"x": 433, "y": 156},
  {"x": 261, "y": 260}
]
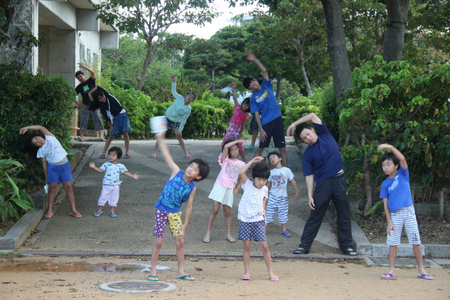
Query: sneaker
[{"x": 250, "y": 148}]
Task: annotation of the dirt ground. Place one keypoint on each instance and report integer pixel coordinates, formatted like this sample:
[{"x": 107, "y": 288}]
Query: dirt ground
[{"x": 217, "y": 278}]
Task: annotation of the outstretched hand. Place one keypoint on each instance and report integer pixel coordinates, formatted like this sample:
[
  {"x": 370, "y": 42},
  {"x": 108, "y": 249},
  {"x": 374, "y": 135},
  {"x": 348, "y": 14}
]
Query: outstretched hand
[
  {"x": 23, "y": 130},
  {"x": 290, "y": 131},
  {"x": 250, "y": 56},
  {"x": 383, "y": 146},
  {"x": 172, "y": 78}
]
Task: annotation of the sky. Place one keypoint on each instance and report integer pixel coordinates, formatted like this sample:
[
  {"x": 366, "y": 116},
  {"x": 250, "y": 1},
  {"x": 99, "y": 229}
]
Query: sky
[{"x": 207, "y": 31}]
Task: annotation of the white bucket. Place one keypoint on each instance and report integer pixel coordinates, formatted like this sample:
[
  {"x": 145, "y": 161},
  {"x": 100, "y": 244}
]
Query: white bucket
[{"x": 158, "y": 124}]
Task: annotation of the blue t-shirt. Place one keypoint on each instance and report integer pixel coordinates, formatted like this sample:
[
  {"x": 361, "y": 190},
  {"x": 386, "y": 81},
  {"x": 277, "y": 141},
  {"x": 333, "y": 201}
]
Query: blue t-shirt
[
  {"x": 265, "y": 103},
  {"x": 323, "y": 158},
  {"x": 397, "y": 190},
  {"x": 175, "y": 192}
]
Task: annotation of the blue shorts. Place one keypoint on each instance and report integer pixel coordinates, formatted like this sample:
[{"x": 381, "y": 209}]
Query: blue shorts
[
  {"x": 252, "y": 231},
  {"x": 121, "y": 123},
  {"x": 59, "y": 173},
  {"x": 172, "y": 124},
  {"x": 274, "y": 129}
]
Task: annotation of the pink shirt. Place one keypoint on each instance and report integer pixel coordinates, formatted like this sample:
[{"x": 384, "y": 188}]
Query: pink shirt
[
  {"x": 229, "y": 174},
  {"x": 236, "y": 123}
]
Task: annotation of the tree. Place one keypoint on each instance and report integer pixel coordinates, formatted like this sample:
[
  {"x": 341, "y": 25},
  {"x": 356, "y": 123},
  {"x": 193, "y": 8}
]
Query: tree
[
  {"x": 152, "y": 18},
  {"x": 394, "y": 39}
]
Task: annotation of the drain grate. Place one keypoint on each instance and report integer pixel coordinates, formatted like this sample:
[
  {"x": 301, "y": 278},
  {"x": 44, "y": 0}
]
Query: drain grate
[{"x": 137, "y": 287}]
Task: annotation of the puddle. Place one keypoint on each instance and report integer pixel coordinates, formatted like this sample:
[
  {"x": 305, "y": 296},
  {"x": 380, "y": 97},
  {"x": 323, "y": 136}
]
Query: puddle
[{"x": 78, "y": 267}]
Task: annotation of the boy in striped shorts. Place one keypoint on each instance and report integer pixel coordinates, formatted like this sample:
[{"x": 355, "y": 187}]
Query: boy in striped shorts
[
  {"x": 399, "y": 209},
  {"x": 278, "y": 196}
]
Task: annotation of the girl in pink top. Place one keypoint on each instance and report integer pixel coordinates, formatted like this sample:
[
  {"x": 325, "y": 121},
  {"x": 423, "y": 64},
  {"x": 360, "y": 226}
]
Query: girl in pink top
[
  {"x": 225, "y": 186},
  {"x": 237, "y": 122}
]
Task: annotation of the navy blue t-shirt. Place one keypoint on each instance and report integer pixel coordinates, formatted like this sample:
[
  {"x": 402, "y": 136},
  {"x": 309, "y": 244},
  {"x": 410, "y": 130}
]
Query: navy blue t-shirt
[{"x": 323, "y": 158}]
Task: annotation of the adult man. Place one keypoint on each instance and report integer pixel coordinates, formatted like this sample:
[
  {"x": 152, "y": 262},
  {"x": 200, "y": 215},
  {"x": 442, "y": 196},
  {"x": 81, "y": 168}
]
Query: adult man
[
  {"x": 83, "y": 88},
  {"x": 322, "y": 161}
]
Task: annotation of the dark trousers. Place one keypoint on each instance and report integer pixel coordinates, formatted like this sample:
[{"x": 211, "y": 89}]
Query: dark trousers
[{"x": 334, "y": 188}]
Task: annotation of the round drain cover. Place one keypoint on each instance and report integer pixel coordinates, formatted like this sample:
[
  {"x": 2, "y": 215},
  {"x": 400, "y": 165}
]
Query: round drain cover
[{"x": 137, "y": 287}]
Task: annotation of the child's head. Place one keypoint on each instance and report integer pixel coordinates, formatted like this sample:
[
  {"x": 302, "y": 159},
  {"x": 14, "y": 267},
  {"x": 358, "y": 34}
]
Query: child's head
[
  {"x": 80, "y": 76},
  {"x": 251, "y": 84},
  {"x": 260, "y": 174},
  {"x": 115, "y": 153},
  {"x": 33, "y": 143},
  {"x": 389, "y": 163},
  {"x": 197, "y": 168},
  {"x": 190, "y": 97},
  {"x": 233, "y": 151},
  {"x": 245, "y": 105},
  {"x": 274, "y": 158},
  {"x": 99, "y": 97},
  {"x": 305, "y": 133}
]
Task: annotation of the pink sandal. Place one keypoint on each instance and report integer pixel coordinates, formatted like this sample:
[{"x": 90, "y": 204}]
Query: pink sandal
[
  {"x": 153, "y": 155},
  {"x": 273, "y": 278}
]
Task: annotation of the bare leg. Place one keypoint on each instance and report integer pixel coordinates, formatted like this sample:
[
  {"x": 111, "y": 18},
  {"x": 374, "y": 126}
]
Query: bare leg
[
  {"x": 100, "y": 133},
  {"x": 212, "y": 216},
  {"x": 70, "y": 196},
  {"x": 258, "y": 152},
  {"x": 419, "y": 259},
  {"x": 246, "y": 256},
  {"x": 284, "y": 227},
  {"x": 126, "y": 139},
  {"x": 156, "y": 148},
  {"x": 268, "y": 260},
  {"x": 181, "y": 141},
  {"x": 254, "y": 136},
  {"x": 284, "y": 157},
  {"x": 155, "y": 254},
  {"x": 51, "y": 195},
  {"x": 392, "y": 257},
  {"x": 227, "y": 215},
  {"x": 100, "y": 209},
  {"x": 179, "y": 242},
  {"x": 113, "y": 208},
  {"x": 107, "y": 143}
]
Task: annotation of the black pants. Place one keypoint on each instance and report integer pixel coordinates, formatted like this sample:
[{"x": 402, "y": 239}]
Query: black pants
[{"x": 334, "y": 188}]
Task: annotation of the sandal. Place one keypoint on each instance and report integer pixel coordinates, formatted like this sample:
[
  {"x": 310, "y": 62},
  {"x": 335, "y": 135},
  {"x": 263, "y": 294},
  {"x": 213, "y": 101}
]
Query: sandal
[
  {"x": 152, "y": 278},
  {"x": 350, "y": 251},
  {"x": 102, "y": 140},
  {"x": 153, "y": 155},
  {"x": 48, "y": 215},
  {"x": 388, "y": 276},
  {"x": 300, "y": 250},
  {"x": 98, "y": 213},
  {"x": 186, "y": 277},
  {"x": 127, "y": 156},
  {"x": 187, "y": 156},
  {"x": 274, "y": 278},
  {"x": 76, "y": 214},
  {"x": 103, "y": 156},
  {"x": 286, "y": 233},
  {"x": 112, "y": 215},
  {"x": 245, "y": 277}
]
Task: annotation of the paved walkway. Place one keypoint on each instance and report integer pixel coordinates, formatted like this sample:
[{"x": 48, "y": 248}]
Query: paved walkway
[{"x": 131, "y": 231}]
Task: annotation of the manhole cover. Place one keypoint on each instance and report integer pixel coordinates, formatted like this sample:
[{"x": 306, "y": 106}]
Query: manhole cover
[{"x": 137, "y": 287}]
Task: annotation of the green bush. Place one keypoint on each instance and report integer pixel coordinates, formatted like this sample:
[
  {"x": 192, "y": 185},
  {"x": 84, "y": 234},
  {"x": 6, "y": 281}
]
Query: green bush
[
  {"x": 27, "y": 99},
  {"x": 406, "y": 106}
]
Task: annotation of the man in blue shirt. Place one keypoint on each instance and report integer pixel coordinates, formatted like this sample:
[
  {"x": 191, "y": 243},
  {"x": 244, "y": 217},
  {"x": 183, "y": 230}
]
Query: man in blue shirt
[
  {"x": 264, "y": 107},
  {"x": 322, "y": 161}
]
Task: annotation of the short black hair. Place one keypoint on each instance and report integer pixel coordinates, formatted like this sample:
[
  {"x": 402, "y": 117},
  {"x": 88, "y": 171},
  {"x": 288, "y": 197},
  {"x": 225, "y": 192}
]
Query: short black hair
[
  {"x": 78, "y": 73},
  {"x": 246, "y": 100},
  {"x": 273, "y": 153},
  {"x": 261, "y": 170},
  {"x": 246, "y": 82},
  {"x": 191, "y": 92},
  {"x": 203, "y": 168},
  {"x": 391, "y": 156},
  {"x": 227, "y": 142},
  {"x": 299, "y": 129},
  {"x": 118, "y": 150},
  {"x": 96, "y": 104}
]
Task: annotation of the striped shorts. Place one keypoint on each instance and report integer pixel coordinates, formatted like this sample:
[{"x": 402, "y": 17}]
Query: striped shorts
[
  {"x": 405, "y": 216},
  {"x": 279, "y": 205}
]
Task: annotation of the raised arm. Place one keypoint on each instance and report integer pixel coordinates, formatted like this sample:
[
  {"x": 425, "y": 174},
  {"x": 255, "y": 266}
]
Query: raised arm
[
  {"x": 91, "y": 71},
  {"x": 227, "y": 147},
  {"x": 174, "y": 88},
  {"x": 41, "y": 128},
  {"x": 242, "y": 172},
  {"x": 311, "y": 117},
  {"x": 252, "y": 57},
  {"x": 166, "y": 154},
  {"x": 233, "y": 90},
  {"x": 397, "y": 153},
  {"x": 90, "y": 94}
]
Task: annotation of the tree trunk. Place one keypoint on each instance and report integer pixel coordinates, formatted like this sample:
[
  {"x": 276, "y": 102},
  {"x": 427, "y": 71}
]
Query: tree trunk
[
  {"x": 147, "y": 62},
  {"x": 367, "y": 183},
  {"x": 305, "y": 77},
  {"x": 340, "y": 67},
  {"x": 213, "y": 82},
  {"x": 277, "y": 96},
  {"x": 394, "y": 39}
]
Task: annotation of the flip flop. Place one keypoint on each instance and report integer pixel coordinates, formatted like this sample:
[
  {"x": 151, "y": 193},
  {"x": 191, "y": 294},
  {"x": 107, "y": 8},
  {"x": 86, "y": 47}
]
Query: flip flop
[
  {"x": 350, "y": 251},
  {"x": 153, "y": 155},
  {"x": 48, "y": 215},
  {"x": 286, "y": 233},
  {"x": 98, "y": 213},
  {"x": 103, "y": 156},
  {"x": 76, "y": 214},
  {"x": 425, "y": 276},
  {"x": 186, "y": 277},
  {"x": 231, "y": 241},
  {"x": 152, "y": 278},
  {"x": 274, "y": 278},
  {"x": 245, "y": 277},
  {"x": 187, "y": 156},
  {"x": 127, "y": 156},
  {"x": 300, "y": 250},
  {"x": 388, "y": 276},
  {"x": 112, "y": 215}
]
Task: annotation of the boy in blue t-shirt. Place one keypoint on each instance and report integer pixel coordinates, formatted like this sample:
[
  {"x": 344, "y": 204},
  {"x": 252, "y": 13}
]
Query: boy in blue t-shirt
[
  {"x": 399, "y": 209},
  {"x": 265, "y": 110},
  {"x": 177, "y": 190}
]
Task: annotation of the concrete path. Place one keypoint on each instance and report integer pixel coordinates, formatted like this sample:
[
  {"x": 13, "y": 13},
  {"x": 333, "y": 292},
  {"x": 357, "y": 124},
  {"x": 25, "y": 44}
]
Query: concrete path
[{"x": 132, "y": 230}]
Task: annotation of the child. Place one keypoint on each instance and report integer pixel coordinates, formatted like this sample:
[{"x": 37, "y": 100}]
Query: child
[
  {"x": 278, "y": 200},
  {"x": 178, "y": 189},
  {"x": 251, "y": 213},
  {"x": 83, "y": 89},
  {"x": 114, "y": 114},
  {"x": 225, "y": 186},
  {"x": 399, "y": 209},
  {"x": 237, "y": 122},
  {"x": 177, "y": 115},
  {"x": 55, "y": 164},
  {"x": 111, "y": 182},
  {"x": 264, "y": 107}
]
